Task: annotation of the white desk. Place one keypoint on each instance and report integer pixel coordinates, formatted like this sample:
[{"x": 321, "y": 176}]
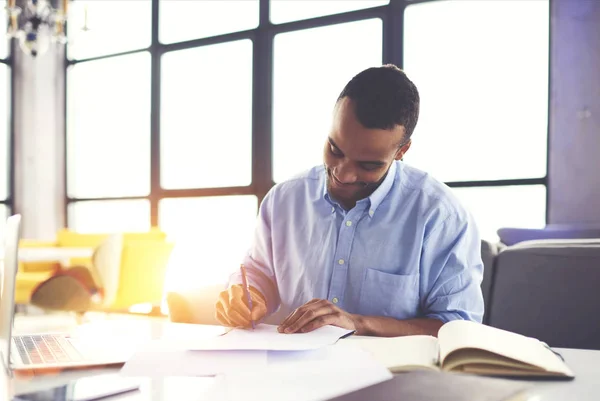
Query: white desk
[{"x": 584, "y": 363}]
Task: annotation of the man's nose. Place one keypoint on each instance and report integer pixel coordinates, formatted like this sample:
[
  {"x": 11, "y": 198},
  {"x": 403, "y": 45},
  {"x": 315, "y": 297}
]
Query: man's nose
[{"x": 346, "y": 174}]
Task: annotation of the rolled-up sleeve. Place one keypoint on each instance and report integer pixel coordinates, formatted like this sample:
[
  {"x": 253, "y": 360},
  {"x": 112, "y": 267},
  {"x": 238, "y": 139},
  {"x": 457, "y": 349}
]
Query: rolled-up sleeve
[
  {"x": 452, "y": 271},
  {"x": 259, "y": 259}
]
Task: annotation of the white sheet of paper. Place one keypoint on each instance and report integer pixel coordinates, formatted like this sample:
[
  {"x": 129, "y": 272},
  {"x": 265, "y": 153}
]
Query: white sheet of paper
[
  {"x": 161, "y": 359},
  {"x": 266, "y": 337},
  {"x": 306, "y": 376}
]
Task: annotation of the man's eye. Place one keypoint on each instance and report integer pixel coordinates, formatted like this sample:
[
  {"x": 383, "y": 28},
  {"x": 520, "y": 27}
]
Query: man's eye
[
  {"x": 335, "y": 151},
  {"x": 370, "y": 167}
]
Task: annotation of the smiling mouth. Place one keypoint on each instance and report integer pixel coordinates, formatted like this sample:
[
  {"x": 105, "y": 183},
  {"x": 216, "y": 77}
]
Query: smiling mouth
[{"x": 337, "y": 184}]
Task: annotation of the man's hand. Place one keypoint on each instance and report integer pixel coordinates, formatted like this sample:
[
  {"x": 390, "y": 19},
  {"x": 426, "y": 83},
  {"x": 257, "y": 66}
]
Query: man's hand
[
  {"x": 315, "y": 314},
  {"x": 232, "y": 308}
]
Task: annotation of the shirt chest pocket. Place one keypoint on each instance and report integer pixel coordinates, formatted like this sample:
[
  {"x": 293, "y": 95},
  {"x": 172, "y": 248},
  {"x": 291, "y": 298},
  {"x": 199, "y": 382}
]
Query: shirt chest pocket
[{"x": 387, "y": 294}]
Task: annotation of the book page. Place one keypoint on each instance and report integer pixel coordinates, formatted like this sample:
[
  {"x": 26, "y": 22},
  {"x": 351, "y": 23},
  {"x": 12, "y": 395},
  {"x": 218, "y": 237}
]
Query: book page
[
  {"x": 461, "y": 334},
  {"x": 402, "y": 353}
]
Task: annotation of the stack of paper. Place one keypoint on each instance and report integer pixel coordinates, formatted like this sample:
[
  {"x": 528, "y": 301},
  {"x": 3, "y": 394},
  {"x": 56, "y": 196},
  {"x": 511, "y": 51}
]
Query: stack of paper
[{"x": 263, "y": 364}]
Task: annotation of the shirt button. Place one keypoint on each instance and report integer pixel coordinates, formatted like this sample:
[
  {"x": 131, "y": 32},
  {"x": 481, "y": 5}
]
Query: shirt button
[
  {"x": 371, "y": 212},
  {"x": 348, "y": 223},
  {"x": 341, "y": 261},
  {"x": 335, "y": 300},
  {"x": 332, "y": 209}
]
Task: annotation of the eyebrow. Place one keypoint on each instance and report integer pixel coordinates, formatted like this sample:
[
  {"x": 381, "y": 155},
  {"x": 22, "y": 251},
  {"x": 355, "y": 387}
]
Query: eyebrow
[{"x": 374, "y": 162}]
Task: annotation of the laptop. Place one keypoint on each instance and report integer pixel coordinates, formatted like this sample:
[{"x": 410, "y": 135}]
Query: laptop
[{"x": 41, "y": 351}]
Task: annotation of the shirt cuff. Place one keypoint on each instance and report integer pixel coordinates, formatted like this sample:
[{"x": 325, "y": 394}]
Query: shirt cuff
[{"x": 449, "y": 316}]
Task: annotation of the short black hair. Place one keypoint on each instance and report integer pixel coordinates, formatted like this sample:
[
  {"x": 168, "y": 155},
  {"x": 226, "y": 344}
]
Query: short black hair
[{"x": 384, "y": 97}]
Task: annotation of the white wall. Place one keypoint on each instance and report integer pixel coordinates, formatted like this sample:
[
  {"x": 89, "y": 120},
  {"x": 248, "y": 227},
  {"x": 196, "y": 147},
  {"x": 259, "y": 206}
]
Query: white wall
[
  {"x": 574, "y": 171},
  {"x": 39, "y": 145}
]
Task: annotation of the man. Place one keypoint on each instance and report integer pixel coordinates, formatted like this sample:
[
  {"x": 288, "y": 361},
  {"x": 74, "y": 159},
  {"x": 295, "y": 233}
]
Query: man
[{"x": 365, "y": 241}]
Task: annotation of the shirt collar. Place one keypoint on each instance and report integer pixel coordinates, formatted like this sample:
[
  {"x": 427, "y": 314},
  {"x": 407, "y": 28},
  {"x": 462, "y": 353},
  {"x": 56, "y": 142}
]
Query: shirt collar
[
  {"x": 380, "y": 193},
  {"x": 376, "y": 197}
]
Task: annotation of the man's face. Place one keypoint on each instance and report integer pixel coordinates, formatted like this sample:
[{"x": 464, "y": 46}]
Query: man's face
[{"x": 357, "y": 158}]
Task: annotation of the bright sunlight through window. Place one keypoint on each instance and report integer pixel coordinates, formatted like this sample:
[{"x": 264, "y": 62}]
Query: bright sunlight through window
[
  {"x": 311, "y": 68},
  {"x": 212, "y": 235},
  {"x": 110, "y": 216},
  {"x": 294, "y": 10},
  {"x": 483, "y": 82},
  {"x": 510, "y": 206}
]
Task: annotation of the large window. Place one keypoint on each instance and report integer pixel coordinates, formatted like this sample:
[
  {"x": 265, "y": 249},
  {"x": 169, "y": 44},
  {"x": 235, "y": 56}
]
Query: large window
[
  {"x": 484, "y": 104},
  {"x": 186, "y": 114},
  {"x": 310, "y": 62},
  {"x": 5, "y": 124}
]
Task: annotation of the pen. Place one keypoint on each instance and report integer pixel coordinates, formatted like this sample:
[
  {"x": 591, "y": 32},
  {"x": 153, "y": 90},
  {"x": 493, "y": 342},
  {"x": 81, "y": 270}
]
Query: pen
[{"x": 247, "y": 292}]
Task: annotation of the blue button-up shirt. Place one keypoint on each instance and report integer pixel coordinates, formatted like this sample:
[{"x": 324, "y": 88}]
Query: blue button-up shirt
[{"x": 409, "y": 250}]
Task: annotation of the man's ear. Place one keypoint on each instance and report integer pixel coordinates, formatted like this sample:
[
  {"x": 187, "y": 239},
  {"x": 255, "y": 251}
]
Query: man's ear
[{"x": 403, "y": 149}]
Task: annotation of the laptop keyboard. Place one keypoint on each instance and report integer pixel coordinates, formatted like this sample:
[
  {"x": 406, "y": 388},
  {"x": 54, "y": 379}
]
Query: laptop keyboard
[{"x": 45, "y": 349}]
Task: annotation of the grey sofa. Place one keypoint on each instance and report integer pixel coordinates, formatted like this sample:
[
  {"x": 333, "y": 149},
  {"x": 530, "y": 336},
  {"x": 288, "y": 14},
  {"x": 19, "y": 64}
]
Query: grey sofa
[{"x": 547, "y": 289}]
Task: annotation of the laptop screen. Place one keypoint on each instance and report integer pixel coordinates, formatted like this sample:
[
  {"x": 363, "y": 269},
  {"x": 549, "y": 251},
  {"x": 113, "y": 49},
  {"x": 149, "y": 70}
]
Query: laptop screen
[{"x": 8, "y": 277}]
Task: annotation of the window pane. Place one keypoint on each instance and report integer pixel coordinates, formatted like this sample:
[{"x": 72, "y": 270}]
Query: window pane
[
  {"x": 5, "y": 168},
  {"x": 182, "y": 20},
  {"x": 206, "y": 118},
  {"x": 294, "y": 10},
  {"x": 483, "y": 86},
  {"x": 100, "y": 27},
  {"x": 307, "y": 62},
  {"x": 510, "y": 206},
  {"x": 3, "y": 27},
  {"x": 211, "y": 234},
  {"x": 110, "y": 216},
  {"x": 108, "y": 127}
]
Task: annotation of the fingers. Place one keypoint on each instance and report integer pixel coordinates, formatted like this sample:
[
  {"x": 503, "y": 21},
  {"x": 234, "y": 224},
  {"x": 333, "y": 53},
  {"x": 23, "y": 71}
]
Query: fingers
[
  {"x": 222, "y": 318},
  {"x": 220, "y": 308},
  {"x": 259, "y": 310},
  {"x": 228, "y": 314},
  {"x": 321, "y": 321},
  {"x": 292, "y": 317},
  {"x": 232, "y": 308},
  {"x": 315, "y": 311},
  {"x": 237, "y": 319},
  {"x": 305, "y": 314},
  {"x": 238, "y": 302}
]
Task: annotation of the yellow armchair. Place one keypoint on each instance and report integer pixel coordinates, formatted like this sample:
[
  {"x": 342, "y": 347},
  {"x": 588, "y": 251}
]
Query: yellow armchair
[
  {"x": 143, "y": 269},
  {"x": 140, "y": 266},
  {"x": 30, "y": 274},
  {"x": 144, "y": 259}
]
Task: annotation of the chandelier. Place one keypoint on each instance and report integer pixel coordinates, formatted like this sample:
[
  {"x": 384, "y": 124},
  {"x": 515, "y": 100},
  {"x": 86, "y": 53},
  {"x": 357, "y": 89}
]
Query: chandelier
[{"x": 36, "y": 24}]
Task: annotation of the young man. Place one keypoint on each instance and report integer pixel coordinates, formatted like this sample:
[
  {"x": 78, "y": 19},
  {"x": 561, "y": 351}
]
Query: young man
[{"x": 364, "y": 242}]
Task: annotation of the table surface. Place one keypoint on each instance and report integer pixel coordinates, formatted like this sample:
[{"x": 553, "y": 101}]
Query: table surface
[{"x": 584, "y": 363}]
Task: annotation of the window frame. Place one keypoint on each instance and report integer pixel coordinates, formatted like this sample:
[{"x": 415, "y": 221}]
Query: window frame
[
  {"x": 8, "y": 202},
  {"x": 262, "y": 37}
]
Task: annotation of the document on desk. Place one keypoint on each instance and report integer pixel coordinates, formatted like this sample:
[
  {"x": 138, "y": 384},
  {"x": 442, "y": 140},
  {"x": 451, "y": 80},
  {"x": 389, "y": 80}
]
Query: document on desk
[
  {"x": 312, "y": 375},
  {"x": 266, "y": 337},
  {"x": 161, "y": 359}
]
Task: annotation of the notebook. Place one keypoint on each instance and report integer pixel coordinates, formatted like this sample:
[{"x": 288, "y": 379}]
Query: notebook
[{"x": 469, "y": 347}]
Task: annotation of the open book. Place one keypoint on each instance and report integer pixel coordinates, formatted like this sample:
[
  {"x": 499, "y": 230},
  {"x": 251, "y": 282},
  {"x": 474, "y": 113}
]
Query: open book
[{"x": 464, "y": 346}]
